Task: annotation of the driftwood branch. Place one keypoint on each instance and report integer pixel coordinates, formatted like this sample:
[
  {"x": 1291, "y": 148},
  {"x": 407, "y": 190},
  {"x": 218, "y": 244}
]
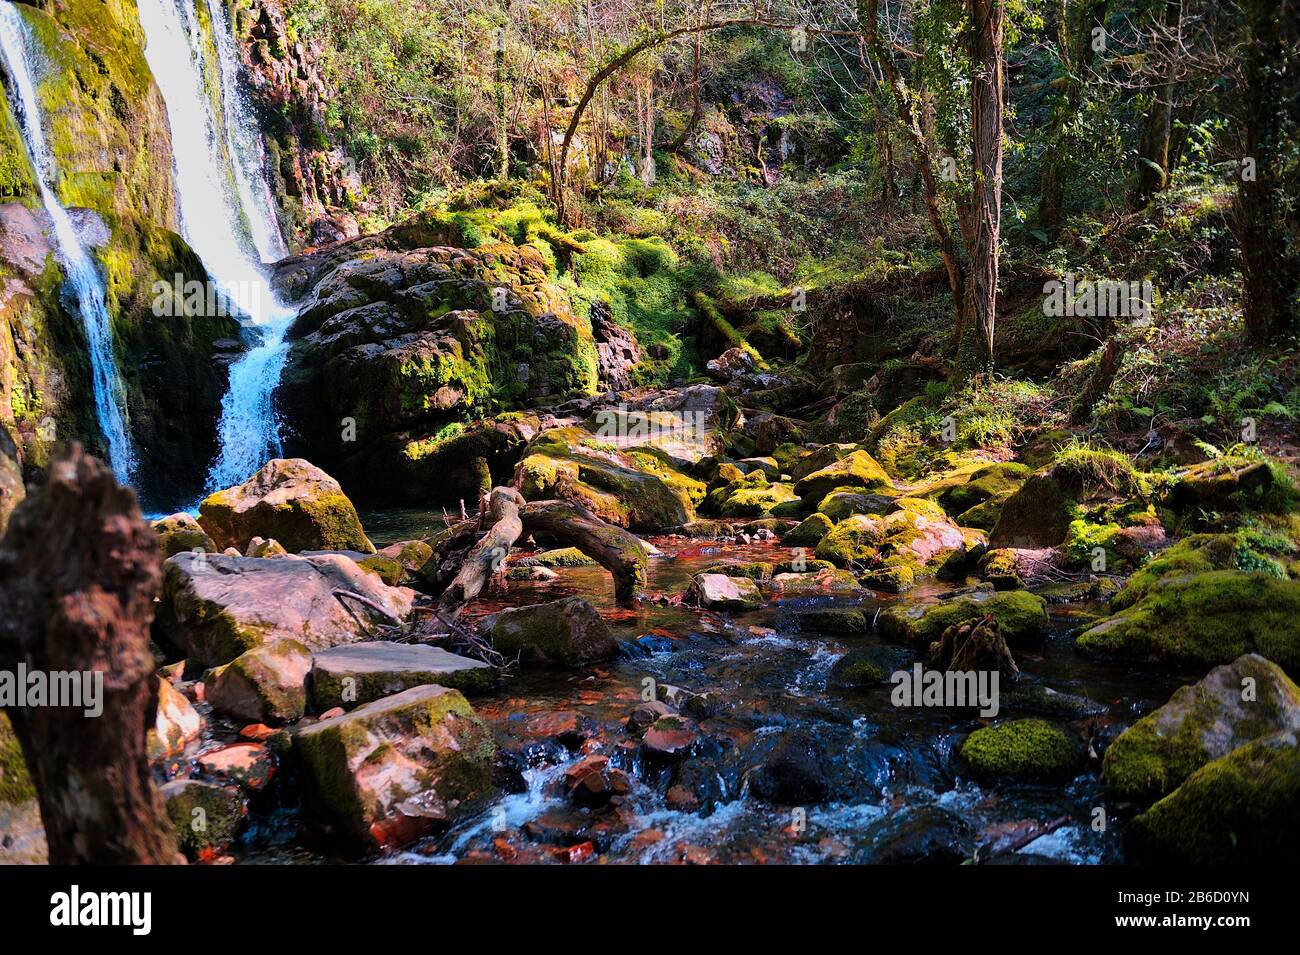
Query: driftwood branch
[
  {"x": 79, "y": 571},
  {"x": 488, "y": 556},
  {"x": 611, "y": 546}
]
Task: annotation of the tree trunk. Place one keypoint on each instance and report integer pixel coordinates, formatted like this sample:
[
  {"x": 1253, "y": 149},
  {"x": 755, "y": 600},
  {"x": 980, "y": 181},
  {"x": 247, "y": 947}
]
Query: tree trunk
[
  {"x": 500, "y": 520},
  {"x": 986, "y": 151},
  {"x": 79, "y": 571},
  {"x": 499, "y": 93},
  {"x": 1153, "y": 154},
  {"x": 613, "y": 548}
]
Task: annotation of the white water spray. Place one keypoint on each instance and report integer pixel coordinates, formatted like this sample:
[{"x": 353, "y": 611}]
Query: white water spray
[
  {"x": 226, "y": 216},
  {"x": 81, "y": 276}
]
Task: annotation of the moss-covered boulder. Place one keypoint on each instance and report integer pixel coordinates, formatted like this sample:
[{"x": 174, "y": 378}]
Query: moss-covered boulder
[
  {"x": 844, "y": 621},
  {"x": 1205, "y": 620},
  {"x": 358, "y": 673},
  {"x": 290, "y": 500},
  {"x": 721, "y": 592},
  {"x": 1237, "y": 810},
  {"x": 1229, "y": 484},
  {"x": 855, "y": 470},
  {"x": 15, "y": 782},
  {"x": 809, "y": 532},
  {"x": 398, "y": 565},
  {"x": 206, "y": 816},
  {"x": 567, "y": 632},
  {"x": 1031, "y": 751},
  {"x": 913, "y": 540},
  {"x": 636, "y": 491},
  {"x": 752, "y": 496},
  {"x": 1246, "y": 550},
  {"x": 1037, "y": 515},
  {"x": 844, "y": 502},
  {"x": 992, "y": 481},
  {"x": 864, "y": 667},
  {"x": 267, "y": 684},
  {"x": 1021, "y": 617},
  {"x": 1235, "y": 703},
  {"x": 559, "y": 557},
  {"x": 819, "y": 582},
  {"x": 398, "y": 768},
  {"x": 215, "y": 607},
  {"x": 181, "y": 532}
]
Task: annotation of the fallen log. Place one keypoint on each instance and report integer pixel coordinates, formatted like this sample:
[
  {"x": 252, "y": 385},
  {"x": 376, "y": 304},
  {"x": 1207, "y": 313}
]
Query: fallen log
[
  {"x": 79, "y": 571},
  {"x": 611, "y": 546},
  {"x": 502, "y": 527}
]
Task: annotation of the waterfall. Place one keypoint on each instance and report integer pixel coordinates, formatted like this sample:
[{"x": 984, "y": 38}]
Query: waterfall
[
  {"x": 81, "y": 277},
  {"x": 226, "y": 214}
]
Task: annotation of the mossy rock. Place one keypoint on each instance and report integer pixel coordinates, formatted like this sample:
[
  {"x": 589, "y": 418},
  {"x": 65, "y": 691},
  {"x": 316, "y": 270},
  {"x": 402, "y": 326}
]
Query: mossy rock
[
  {"x": 267, "y": 684},
  {"x": 855, "y": 538},
  {"x": 801, "y": 463},
  {"x": 846, "y": 501},
  {"x": 1200, "y": 724},
  {"x": 559, "y": 557},
  {"x": 1238, "y": 810},
  {"x": 15, "y": 782},
  {"x": 1205, "y": 620},
  {"x": 206, "y": 817},
  {"x": 181, "y": 532},
  {"x": 990, "y": 481},
  {"x": 842, "y": 621},
  {"x": 1200, "y": 553},
  {"x": 856, "y": 470},
  {"x": 809, "y": 532},
  {"x": 1001, "y": 568},
  {"x": 1037, "y": 515},
  {"x": 1031, "y": 751},
  {"x": 567, "y": 632},
  {"x": 358, "y": 673},
  {"x": 754, "y": 570},
  {"x": 1233, "y": 484},
  {"x": 867, "y": 666},
  {"x": 1021, "y": 616},
  {"x": 752, "y": 501}
]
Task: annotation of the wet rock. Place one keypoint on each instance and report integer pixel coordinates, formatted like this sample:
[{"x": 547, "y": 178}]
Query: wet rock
[
  {"x": 846, "y": 502},
  {"x": 592, "y": 782},
  {"x": 1045, "y": 701},
  {"x": 732, "y": 363},
  {"x": 1021, "y": 616},
  {"x": 249, "y": 765},
  {"x": 919, "y": 835},
  {"x": 1205, "y": 620},
  {"x": 566, "y": 727},
  {"x": 671, "y": 738},
  {"x": 267, "y": 684},
  {"x": 358, "y": 673},
  {"x": 720, "y": 592},
  {"x": 646, "y": 714},
  {"x": 1200, "y": 724},
  {"x": 1237, "y": 810},
  {"x": 176, "y": 724},
  {"x": 1029, "y": 750},
  {"x": 855, "y": 470},
  {"x": 566, "y": 632},
  {"x": 181, "y": 532},
  {"x": 396, "y": 769},
  {"x": 796, "y": 773},
  {"x": 216, "y": 607},
  {"x": 207, "y": 817},
  {"x": 844, "y": 621},
  {"x": 290, "y": 500},
  {"x": 868, "y": 666},
  {"x": 818, "y": 583},
  {"x": 398, "y": 565}
]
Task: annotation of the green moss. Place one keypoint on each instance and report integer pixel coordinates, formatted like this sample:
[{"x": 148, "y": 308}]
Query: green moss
[
  {"x": 985, "y": 483},
  {"x": 847, "y": 621},
  {"x": 1205, "y": 620},
  {"x": 810, "y": 532},
  {"x": 846, "y": 501},
  {"x": 15, "y": 782},
  {"x": 853, "y": 539},
  {"x": 1237, "y": 810},
  {"x": 562, "y": 557},
  {"x": 204, "y": 815},
  {"x": 1024, "y": 750},
  {"x": 856, "y": 470},
  {"x": 1021, "y": 617}
]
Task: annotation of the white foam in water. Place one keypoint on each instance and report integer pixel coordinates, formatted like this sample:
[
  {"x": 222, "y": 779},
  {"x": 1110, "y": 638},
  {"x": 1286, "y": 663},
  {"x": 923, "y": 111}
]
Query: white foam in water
[
  {"x": 226, "y": 216},
  {"x": 81, "y": 276}
]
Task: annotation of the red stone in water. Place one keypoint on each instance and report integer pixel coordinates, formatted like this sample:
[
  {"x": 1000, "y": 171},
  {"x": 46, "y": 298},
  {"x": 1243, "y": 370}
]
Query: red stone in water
[
  {"x": 249, "y": 764},
  {"x": 574, "y": 854},
  {"x": 257, "y": 732}
]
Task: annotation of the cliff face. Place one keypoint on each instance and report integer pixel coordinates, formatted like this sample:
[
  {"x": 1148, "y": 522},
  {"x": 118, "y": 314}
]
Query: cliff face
[
  {"x": 317, "y": 190},
  {"x": 107, "y": 127}
]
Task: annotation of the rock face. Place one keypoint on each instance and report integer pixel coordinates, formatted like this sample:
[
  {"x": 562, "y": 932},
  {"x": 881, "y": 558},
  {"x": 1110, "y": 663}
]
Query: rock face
[
  {"x": 267, "y": 684},
  {"x": 720, "y": 592},
  {"x": 358, "y": 673},
  {"x": 1036, "y": 515},
  {"x": 566, "y": 632},
  {"x": 1205, "y": 620},
  {"x": 290, "y": 500},
  {"x": 12, "y": 489},
  {"x": 395, "y": 769},
  {"x": 1200, "y": 724},
  {"x": 1237, "y": 810},
  {"x": 402, "y": 334},
  {"x": 216, "y": 607}
]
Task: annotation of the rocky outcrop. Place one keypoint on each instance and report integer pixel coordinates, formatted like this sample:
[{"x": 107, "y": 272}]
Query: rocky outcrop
[
  {"x": 216, "y": 608},
  {"x": 396, "y": 769},
  {"x": 358, "y": 673},
  {"x": 291, "y": 501}
]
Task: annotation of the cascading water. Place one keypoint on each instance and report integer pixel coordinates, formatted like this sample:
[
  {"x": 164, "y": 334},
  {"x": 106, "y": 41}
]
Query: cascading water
[
  {"x": 81, "y": 277},
  {"x": 226, "y": 215}
]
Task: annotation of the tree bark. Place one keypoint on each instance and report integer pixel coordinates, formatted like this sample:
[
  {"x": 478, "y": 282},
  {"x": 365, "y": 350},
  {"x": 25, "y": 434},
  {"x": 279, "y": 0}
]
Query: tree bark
[
  {"x": 613, "y": 548},
  {"x": 79, "y": 572},
  {"x": 1153, "y": 153},
  {"x": 986, "y": 149},
  {"x": 502, "y": 526}
]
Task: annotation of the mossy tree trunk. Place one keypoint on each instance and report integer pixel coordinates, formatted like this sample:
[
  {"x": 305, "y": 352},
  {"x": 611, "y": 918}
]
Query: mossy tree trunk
[
  {"x": 1153, "y": 153},
  {"x": 987, "y": 87}
]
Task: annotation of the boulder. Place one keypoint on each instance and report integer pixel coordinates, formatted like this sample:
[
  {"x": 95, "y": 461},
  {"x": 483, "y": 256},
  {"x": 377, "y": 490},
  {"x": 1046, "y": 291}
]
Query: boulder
[
  {"x": 868, "y": 666},
  {"x": 1037, "y": 515},
  {"x": 720, "y": 592},
  {"x": 181, "y": 532},
  {"x": 567, "y": 632},
  {"x": 1030, "y": 750},
  {"x": 216, "y": 607},
  {"x": 914, "y": 539},
  {"x": 855, "y": 470},
  {"x": 261, "y": 547},
  {"x": 1238, "y": 810},
  {"x": 1200, "y": 724},
  {"x": 290, "y": 500},
  {"x": 267, "y": 684},
  {"x": 358, "y": 673},
  {"x": 918, "y": 835},
  {"x": 1021, "y": 617},
  {"x": 176, "y": 724},
  {"x": 248, "y": 765},
  {"x": 810, "y": 532},
  {"x": 732, "y": 363},
  {"x": 813, "y": 583},
  {"x": 1205, "y": 620},
  {"x": 207, "y": 817},
  {"x": 398, "y": 768},
  {"x": 844, "y": 621},
  {"x": 1226, "y": 485},
  {"x": 797, "y": 772},
  {"x": 671, "y": 738}
]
